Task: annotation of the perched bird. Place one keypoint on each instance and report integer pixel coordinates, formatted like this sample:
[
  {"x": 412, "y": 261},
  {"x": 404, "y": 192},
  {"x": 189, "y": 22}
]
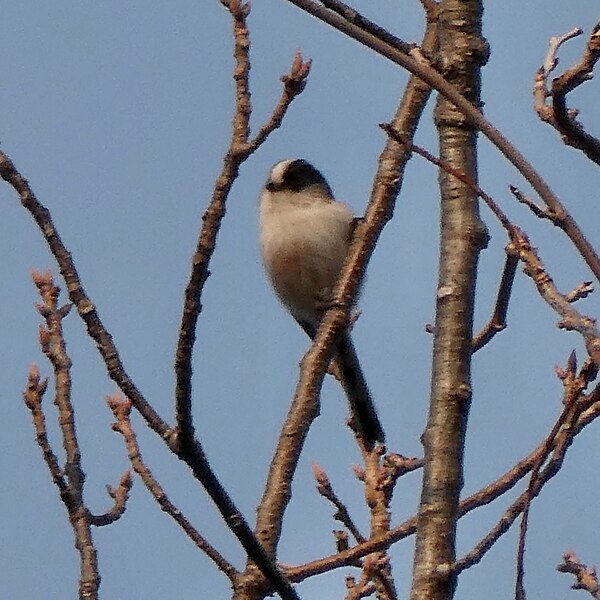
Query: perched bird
[{"x": 304, "y": 239}]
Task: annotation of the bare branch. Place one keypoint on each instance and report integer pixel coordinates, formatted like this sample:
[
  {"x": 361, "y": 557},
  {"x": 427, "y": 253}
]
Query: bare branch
[
  {"x": 587, "y": 578},
  {"x": 583, "y": 290},
  {"x": 572, "y": 320},
  {"x": 574, "y": 387},
  {"x": 240, "y": 148},
  {"x": 557, "y": 443},
  {"x": 77, "y": 295},
  {"x": 520, "y": 244},
  {"x": 293, "y": 85},
  {"x": 447, "y": 168},
  {"x": 540, "y": 89},
  {"x": 189, "y": 449},
  {"x": 352, "y": 16},
  {"x": 497, "y": 322},
  {"x": 121, "y": 409},
  {"x": 533, "y": 207},
  {"x": 341, "y": 514},
  {"x": 379, "y": 477},
  {"x": 590, "y": 411},
  {"x": 33, "y": 395},
  {"x": 363, "y": 589},
  {"x": 562, "y": 119},
  {"x": 120, "y": 495},
  {"x": 70, "y": 481}
]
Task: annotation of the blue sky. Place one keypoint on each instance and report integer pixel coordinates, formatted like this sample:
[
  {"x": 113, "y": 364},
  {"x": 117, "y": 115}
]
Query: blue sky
[{"x": 119, "y": 115}]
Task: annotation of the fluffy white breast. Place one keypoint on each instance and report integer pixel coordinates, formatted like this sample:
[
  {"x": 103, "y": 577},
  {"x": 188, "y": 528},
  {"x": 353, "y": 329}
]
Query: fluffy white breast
[{"x": 304, "y": 242}]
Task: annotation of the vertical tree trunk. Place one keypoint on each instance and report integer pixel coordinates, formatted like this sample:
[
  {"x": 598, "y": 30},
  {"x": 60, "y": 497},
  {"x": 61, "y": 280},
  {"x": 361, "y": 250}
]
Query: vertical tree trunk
[{"x": 462, "y": 51}]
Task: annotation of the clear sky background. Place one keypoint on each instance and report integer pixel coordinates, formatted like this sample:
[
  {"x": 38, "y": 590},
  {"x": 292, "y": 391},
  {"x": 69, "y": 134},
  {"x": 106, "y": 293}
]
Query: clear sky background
[{"x": 119, "y": 114}]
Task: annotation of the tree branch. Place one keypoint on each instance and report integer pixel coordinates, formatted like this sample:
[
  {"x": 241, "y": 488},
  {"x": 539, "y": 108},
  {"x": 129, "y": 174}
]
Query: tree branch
[
  {"x": 417, "y": 65},
  {"x": 562, "y": 435},
  {"x": 120, "y": 495},
  {"x": 587, "y": 578},
  {"x": 590, "y": 411},
  {"x": 574, "y": 385},
  {"x": 70, "y": 481},
  {"x": 240, "y": 148},
  {"x": 85, "y": 307},
  {"x": 497, "y": 322},
  {"x": 557, "y": 115},
  {"x": 121, "y": 409},
  {"x": 462, "y": 53},
  {"x": 180, "y": 441}
]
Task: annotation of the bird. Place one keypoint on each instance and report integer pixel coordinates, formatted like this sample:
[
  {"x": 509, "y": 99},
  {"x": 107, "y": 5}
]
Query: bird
[{"x": 305, "y": 234}]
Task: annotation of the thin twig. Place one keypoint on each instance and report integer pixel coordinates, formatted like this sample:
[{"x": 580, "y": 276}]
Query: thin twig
[
  {"x": 558, "y": 442},
  {"x": 533, "y": 207},
  {"x": 120, "y": 495},
  {"x": 571, "y": 319},
  {"x": 540, "y": 90},
  {"x": 351, "y": 15},
  {"x": 32, "y": 396},
  {"x": 194, "y": 455},
  {"x": 583, "y": 290},
  {"x": 240, "y": 148},
  {"x": 85, "y": 307},
  {"x": 574, "y": 387},
  {"x": 558, "y": 115},
  {"x": 587, "y": 578},
  {"x": 189, "y": 449},
  {"x": 379, "y": 478},
  {"x": 293, "y": 84},
  {"x": 497, "y": 322},
  {"x": 71, "y": 480},
  {"x": 121, "y": 409},
  {"x": 341, "y": 514},
  {"x": 491, "y": 203},
  {"x": 363, "y": 589}
]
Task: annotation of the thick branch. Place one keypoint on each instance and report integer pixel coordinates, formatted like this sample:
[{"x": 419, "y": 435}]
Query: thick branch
[{"x": 463, "y": 235}]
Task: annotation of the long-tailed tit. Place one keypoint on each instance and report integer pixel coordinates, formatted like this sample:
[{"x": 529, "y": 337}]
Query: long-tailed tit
[{"x": 304, "y": 239}]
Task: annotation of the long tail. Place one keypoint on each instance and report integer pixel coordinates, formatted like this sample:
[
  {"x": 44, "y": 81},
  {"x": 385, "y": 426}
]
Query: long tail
[{"x": 353, "y": 381}]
